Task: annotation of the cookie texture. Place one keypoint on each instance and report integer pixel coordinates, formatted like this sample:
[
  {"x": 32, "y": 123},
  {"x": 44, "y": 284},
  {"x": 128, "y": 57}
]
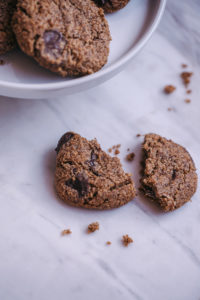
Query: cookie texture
[
  {"x": 7, "y": 38},
  {"x": 88, "y": 177},
  {"x": 69, "y": 37},
  {"x": 169, "y": 174},
  {"x": 110, "y": 6}
]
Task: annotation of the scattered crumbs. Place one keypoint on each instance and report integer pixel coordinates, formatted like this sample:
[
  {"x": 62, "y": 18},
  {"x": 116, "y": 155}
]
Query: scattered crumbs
[
  {"x": 168, "y": 89},
  {"x": 187, "y": 101},
  {"x": 108, "y": 243},
  {"x": 138, "y": 135},
  {"x": 115, "y": 147},
  {"x": 2, "y": 62},
  {"x": 66, "y": 231},
  {"x": 184, "y": 66},
  {"x": 93, "y": 227},
  {"x": 130, "y": 156},
  {"x": 186, "y": 77},
  {"x": 170, "y": 109},
  {"x": 126, "y": 240},
  {"x": 117, "y": 151},
  {"x": 189, "y": 91}
]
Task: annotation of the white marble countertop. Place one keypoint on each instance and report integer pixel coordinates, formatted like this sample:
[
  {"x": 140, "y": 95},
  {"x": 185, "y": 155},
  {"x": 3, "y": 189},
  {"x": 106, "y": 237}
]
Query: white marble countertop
[{"x": 164, "y": 260}]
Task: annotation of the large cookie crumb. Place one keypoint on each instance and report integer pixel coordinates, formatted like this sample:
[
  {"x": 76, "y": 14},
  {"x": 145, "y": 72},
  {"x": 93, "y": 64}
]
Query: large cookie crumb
[
  {"x": 186, "y": 77},
  {"x": 66, "y": 232},
  {"x": 169, "y": 89},
  {"x": 187, "y": 101},
  {"x": 126, "y": 240},
  {"x": 130, "y": 157},
  {"x": 93, "y": 227}
]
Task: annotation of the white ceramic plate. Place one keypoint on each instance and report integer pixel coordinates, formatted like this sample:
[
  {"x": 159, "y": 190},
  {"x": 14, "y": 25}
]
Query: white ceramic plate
[{"x": 21, "y": 77}]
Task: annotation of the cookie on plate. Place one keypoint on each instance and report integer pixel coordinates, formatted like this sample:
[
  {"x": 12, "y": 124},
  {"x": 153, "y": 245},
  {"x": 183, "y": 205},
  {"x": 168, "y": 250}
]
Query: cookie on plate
[
  {"x": 169, "y": 175},
  {"x": 110, "y": 6},
  {"x": 7, "y": 39},
  {"x": 88, "y": 177},
  {"x": 69, "y": 37}
]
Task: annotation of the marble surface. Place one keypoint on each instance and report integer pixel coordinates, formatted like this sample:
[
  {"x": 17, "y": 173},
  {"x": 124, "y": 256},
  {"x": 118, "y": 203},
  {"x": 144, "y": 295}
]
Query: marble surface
[{"x": 164, "y": 260}]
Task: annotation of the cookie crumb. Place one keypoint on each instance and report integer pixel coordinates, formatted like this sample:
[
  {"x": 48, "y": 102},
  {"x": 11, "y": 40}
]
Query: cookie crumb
[
  {"x": 138, "y": 135},
  {"x": 2, "y": 62},
  {"x": 117, "y": 152},
  {"x": 114, "y": 147},
  {"x": 186, "y": 77},
  {"x": 127, "y": 240},
  {"x": 93, "y": 227},
  {"x": 184, "y": 66},
  {"x": 108, "y": 243},
  {"x": 187, "y": 101},
  {"x": 189, "y": 91},
  {"x": 170, "y": 109},
  {"x": 66, "y": 231},
  {"x": 168, "y": 89},
  {"x": 130, "y": 157},
  {"x": 128, "y": 149}
]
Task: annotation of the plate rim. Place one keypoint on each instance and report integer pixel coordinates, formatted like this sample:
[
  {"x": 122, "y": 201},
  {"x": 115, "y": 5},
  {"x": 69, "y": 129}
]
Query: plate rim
[{"x": 101, "y": 73}]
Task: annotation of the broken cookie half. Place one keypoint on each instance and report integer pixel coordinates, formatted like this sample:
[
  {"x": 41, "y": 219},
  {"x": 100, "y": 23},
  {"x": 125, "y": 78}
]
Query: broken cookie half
[
  {"x": 169, "y": 173},
  {"x": 88, "y": 177}
]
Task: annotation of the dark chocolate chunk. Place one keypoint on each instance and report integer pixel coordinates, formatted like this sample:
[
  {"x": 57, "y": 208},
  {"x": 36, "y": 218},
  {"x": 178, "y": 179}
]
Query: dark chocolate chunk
[
  {"x": 52, "y": 39},
  {"x": 110, "y": 6},
  {"x": 93, "y": 159},
  {"x": 103, "y": 2},
  {"x": 80, "y": 184},
  {"x": 63, "y": 140}
]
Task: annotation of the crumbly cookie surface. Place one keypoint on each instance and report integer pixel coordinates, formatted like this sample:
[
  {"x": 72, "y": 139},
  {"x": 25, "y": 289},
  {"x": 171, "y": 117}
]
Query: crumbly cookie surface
[
  {"x": 7, "y": 39},
  {"x": 88, "y": 177},
  {"x": 69, "y": 37},
  {"x": 169, "y": 175},
  {"x": 110, "y": 6}
]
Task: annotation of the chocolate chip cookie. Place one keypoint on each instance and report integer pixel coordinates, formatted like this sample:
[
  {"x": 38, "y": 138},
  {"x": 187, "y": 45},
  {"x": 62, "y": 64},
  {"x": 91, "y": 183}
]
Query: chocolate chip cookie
[
  {"x": 110, "y": 6},
  {"x": 7, "y": 39},
  {"x": 169, "y": 172},
  {"x": 69, "y": 37},
  {"x": 88, "y": 177}
]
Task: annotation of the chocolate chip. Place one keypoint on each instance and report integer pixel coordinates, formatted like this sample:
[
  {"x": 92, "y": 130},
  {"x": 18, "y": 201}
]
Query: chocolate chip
[
  {"x": 54, "y": 42},
  {"x": 103, "y": 2},
  {"x": 52, "y": 38},
  {"x": 75, "y": 170},
  {"x": 63, "y": 140},
  {"x": 80, "y": 184},
  {"x": 174, "y": 174},
  {"x": 93, "y": 159}
]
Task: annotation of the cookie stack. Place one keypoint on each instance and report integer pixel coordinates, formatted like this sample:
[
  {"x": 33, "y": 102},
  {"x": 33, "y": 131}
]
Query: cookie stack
[{"x": 68, "y": 37}]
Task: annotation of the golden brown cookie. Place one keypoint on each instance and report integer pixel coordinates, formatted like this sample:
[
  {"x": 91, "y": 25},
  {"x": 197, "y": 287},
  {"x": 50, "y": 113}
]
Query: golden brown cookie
[
  {"x": 88, "y": 177},
  {"x": 169, "y": 174},
  {"x": 110, "y": 6},
  {"x": 7, "y": 39},
  {"x": 69, "y": 37}
]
